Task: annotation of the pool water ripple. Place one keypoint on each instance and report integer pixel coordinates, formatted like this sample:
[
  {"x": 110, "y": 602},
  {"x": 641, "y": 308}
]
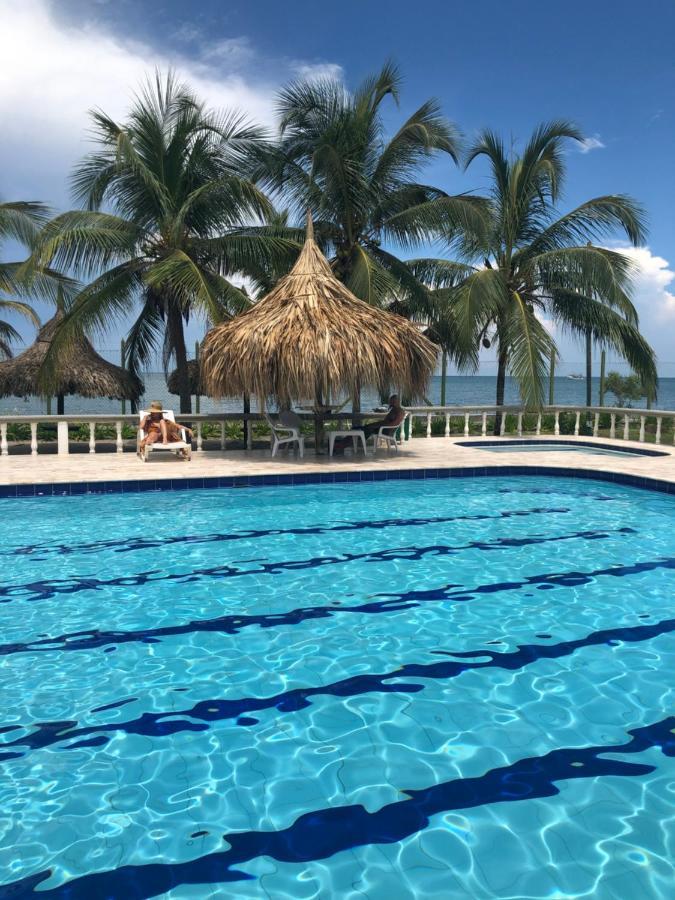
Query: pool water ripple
[{"x": 301, "y": 701}]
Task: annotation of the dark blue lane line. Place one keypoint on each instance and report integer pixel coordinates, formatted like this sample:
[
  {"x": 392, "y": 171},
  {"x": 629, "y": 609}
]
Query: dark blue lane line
[
  {"x": 47, "y": 734},
  {"x": 322, "y": 833},
  {"x": 233, "y": 624},
  {"x": 46, "y": 589},
  {"x": 146, "y": 543}
]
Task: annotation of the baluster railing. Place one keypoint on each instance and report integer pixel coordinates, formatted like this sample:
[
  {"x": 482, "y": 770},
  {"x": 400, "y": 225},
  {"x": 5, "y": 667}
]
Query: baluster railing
[
  {"x": 626, "y": 427},
  {"x": 447, "y": 425},
  {"x": 33, "y": 439},
  {"x": 119, "y": 443},
  {"x": 596, "y": 424},
  {"x": 576, "y": 423},
  {"x": 466, "y": 424},
  {"x": 4, "y": 447},
  {"x": 657, "y": 436},
  {"x": 612, "y": 426},
  {"x": 92, "y": 437},
  {"x": 642, "y": 429},
  {"x": 483, "y": 427}
]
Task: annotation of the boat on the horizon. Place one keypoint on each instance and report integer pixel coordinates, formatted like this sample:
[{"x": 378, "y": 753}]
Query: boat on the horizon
[{"x": 576, "y": 376}]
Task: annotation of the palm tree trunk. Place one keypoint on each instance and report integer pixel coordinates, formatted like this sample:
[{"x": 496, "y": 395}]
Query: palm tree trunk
[
  {"x": 501, "y": 387},
  {"x": 589, "y": 369},
  {"x": 60, "y": 405},
  {"x": 247, "y": 422},
  {"x": 177, "y": 336},
  {"x": 444, "y": 372}
]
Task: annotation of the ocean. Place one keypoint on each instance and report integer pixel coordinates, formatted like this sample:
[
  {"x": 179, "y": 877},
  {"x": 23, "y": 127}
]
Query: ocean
[{"x": 462, "y": 390}]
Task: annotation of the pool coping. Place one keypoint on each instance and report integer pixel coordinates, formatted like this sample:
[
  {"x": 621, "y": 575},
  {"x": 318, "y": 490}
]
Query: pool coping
[
  {"x": 620, "y": 450},
  {"x": 135, "y": 486}
]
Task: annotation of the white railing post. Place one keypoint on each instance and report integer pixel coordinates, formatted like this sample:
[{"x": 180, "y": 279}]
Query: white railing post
[
  {"x": 596, "y": 424},
  {"x": 466, "y": 424},
  {"x": 33, "y": 439},
  {"x": 92, "y": 437},
  {"x": 502, "y": 429},
  {"x": 222, "y": 435},
  {"x": 199, "y": 437},
  {"x": 520, "y": 424},
  {"x": 657, "y": 436},
  {"x": 447, "y": 425},
  {"x": 576, "y": 423},
  {"x": 483, "y": 427},
  {"x": 612, "y": 426},
  {"x": 642, "y": 429},
  {"x": 119, "y": 445},
  {"x": 556, "y": 427},
  {"x": 4, "y": 448},
  {"x": 428, "y": 425},
  {"x": 62, "y": 448},
  {"x": 538, "y": 423},
  {"x": 626, "y": 424}
]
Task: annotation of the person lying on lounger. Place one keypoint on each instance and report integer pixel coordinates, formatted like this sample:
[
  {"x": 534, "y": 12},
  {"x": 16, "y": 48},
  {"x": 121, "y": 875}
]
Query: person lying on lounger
[{"x": 156, "y": 428}]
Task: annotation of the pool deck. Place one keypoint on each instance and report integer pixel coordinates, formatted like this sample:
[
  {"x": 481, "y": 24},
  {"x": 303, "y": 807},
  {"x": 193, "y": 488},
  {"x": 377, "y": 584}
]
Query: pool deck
[{"x": 420, "y": 453}]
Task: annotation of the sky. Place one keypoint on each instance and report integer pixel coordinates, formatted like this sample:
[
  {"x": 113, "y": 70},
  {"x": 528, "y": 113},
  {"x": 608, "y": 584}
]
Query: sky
[{"x": 607, "y": 65}]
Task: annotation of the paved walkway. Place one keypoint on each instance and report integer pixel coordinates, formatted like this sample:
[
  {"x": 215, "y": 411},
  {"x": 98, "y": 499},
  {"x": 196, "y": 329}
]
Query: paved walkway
[{"x": 431, "y": 453}]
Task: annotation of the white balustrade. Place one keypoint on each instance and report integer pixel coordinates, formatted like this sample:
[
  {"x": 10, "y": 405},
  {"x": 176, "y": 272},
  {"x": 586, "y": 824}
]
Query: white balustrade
[
  {"x": 92, "y": 437},
  {"x": 4, "y": 447},
  {"x": 612, "y": 426},
  {"x": 642, "y": 429},
  {"x": 520, "y": 424},
  {"x": 576, "y": 423},
  {"x": 466, "y": 424},
  {"x": 556, "y": 426},
  {"x": 539, "y": 424},
  {"x": 447, "y": 425},
  {"x": 33, "y": 439},
  {"x": 428, "y": 425},
  {"x": 119, "y": 443},
  {"x": 502, "y": 427},
  {"x": 483, "y": 428},
  {"x": 62, "y": 438},
  {"x": 596, "y": 424},
  {"x": 199, "y": 437},
  {"x": 626, "y": 427},
  {"x": 657, "y": 436}
]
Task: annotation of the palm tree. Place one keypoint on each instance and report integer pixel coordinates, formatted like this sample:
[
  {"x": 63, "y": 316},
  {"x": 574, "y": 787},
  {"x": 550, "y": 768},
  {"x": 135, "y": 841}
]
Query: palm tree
[
  {"x": 537, "y": 264},
  {"x": 335, "y": 158},
  {"x": 19, "y": 221},
  {"x": 164, "y": 224}
]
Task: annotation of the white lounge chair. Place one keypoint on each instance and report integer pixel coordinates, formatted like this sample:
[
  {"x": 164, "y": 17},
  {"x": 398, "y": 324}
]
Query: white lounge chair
[
  {"x": 285, "y": 434},
  {"x": 182, "y": 449},
  {"x": 389, "y": 436}
]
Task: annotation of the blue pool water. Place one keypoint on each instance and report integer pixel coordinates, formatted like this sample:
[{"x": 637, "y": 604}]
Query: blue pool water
[{"x": 429, "y": 689}]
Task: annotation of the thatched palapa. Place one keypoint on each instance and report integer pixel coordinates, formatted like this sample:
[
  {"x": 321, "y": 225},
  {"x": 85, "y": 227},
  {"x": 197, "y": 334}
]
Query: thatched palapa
[
  {"x": 310, "y": 337},
  {"x": 80, "y": 370},
  {"x": 194, "y": 379}
]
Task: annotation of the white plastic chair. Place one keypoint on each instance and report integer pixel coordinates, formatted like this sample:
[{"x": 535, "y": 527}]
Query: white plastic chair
[
  {"x": 389, "y": 435},
  {"x": 182, "y": 449},
  {"x": 285, "y": 434}
]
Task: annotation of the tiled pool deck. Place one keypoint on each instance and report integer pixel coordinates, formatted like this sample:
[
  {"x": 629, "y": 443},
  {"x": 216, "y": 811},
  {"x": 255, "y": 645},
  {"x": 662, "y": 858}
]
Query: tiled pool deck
[{"x": 419, "y": 458}]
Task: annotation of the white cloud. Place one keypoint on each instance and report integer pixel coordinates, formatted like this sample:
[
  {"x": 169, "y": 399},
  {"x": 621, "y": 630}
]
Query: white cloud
[
  {"x": 590, "y": 143},
  {"x": 59, "y": 72},
  {"x": 654, "y": 301}
]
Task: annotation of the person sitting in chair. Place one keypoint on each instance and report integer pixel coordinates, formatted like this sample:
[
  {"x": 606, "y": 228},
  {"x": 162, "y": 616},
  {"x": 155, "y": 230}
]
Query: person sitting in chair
[
  {"x": 156, "y": 428},
  {"x": 395, "y": 415}
]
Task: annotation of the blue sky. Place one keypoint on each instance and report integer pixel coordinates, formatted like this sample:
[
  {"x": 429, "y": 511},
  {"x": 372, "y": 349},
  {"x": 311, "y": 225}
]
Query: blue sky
[{"x": 606, "y": 64}]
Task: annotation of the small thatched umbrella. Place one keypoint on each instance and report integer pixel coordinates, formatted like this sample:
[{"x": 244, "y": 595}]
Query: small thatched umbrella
[
  {"x": 311, "y": 337},
  {"x": 80, "y": 370},
  {"x": 196, "y": 387}
]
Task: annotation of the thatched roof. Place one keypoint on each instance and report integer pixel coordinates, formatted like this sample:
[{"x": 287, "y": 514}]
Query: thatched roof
[
  {"x": 80, "y": 371},
  {"x": 311, "y": 336},
  {"x": 193, "y": 376}
]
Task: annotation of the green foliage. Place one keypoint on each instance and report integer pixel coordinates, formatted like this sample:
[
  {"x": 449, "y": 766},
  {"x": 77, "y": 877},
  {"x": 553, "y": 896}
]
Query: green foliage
[
  {"x": 627, "y": 389},
  {"x": 162, "y": 232}
]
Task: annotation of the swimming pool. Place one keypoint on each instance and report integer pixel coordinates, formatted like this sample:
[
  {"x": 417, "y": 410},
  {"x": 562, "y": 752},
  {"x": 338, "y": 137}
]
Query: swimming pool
[
  {"x": 510, "y": 445},
  {"x": 444, "y": 689}
]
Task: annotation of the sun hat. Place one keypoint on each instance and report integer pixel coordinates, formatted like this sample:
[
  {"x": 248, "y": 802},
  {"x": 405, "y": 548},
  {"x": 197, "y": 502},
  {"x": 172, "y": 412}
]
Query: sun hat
[{"x": 156, "y": 405}]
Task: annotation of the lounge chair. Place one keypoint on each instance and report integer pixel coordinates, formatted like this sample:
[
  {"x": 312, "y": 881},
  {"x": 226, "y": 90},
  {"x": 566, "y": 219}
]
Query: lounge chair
[
  {"x": 182, "y": 449},
  {"x": 285, "y": 434},
  {"x": 389, "y": 435}
]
